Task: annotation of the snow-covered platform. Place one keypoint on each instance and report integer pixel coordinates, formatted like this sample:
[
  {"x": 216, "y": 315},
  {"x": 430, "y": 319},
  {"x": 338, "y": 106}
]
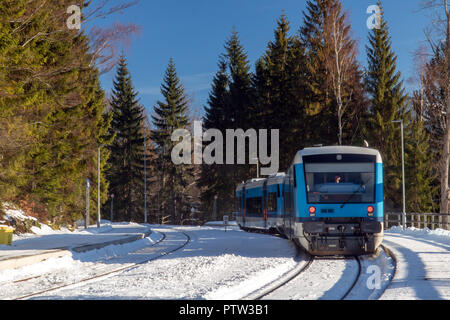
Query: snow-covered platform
[
  {"x": 423, "y": 264},
  {"x": 30, "y": 249}
]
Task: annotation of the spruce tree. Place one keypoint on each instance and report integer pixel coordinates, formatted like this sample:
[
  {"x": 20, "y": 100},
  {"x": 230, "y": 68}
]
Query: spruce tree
[
  {"x": 231, "y": 105},
  {"x": 169, "y": 115},
  {"x": 240, "y": 86},
  {"x": 217, "y": 110},
  {"x": 320, "y": 109},
  {"x": 280, "y": 86},
  {"x": 214, "y": 180},
  {"x": 387, "y": 103},
  {"x": 421, "y": 187},
  {"x": 126, "y": 173},
  {"x": 52, "y": 96}
]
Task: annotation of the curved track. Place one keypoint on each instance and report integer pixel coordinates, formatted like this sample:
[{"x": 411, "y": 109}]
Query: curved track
[
  {"x": 312, "y": 278},
  {"x": 302, "y": 266},
  {"x": 168, "y": 244},
  {"x": 332, "y": 278},
  {"x": 358, "y": 276}
]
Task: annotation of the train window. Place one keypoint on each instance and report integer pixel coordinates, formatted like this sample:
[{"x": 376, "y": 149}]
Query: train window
[
  {"x": 254, "y": 205},
  {"x": 295, "y": 177},
  {"x": 351, "y": 182},
  {"x": 272, "y": 202}
]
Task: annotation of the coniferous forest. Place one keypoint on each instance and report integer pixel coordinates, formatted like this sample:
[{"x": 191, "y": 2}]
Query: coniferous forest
[{"x": 59, "y": 127}]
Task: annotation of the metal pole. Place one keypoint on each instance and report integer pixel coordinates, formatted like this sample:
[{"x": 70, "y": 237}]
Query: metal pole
[
  {"x": 257, "y": 169},
  {"x": 145, "y": 177},
  {"x": 98, "y": 190},
  {"x": 112, "y": 207},
  {"x": 215, "y": 208},
  {"x": 86, "y": 220},
  {"x": 403, "y": 175},
  {"x": 257, "y": 166}
]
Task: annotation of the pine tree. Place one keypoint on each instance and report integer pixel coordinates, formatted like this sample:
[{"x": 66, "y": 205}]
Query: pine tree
[
  {"x": 214, "y": 180},
  {"x": 320, "y": 109},
  {"x": 278, "y": 82},
  {"x": 387, "y": 103},
  {"x": 171, "y": 114},
  {"x": 240, "y": 86},
  {"x": 52, "y": 97},
  {"x": 126, "y": 173},
  {"x": 421, "y": 187},
  {"x": 231, "y": 105},
  {"x": 217, "y": 110}
]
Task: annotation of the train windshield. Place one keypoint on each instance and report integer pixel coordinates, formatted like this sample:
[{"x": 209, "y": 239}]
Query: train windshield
[{"x": 340, "y": 181}]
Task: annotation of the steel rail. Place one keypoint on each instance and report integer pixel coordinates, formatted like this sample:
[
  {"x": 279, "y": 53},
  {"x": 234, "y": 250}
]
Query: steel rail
[{"x": 109, "y": 273}]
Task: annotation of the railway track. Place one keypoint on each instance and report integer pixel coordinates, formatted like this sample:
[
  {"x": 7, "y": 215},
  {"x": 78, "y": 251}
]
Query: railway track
[
  {"x": 294, "y": 273},
  {"x": 357, "y": 279},
  {"x": 352, "y": 285},
  {"x": 167, "y": 245},
  {"x": 317, "y": 276}
]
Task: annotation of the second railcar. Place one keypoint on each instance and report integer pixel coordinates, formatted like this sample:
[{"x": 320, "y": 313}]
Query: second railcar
[{"x": 260, "y": 203}]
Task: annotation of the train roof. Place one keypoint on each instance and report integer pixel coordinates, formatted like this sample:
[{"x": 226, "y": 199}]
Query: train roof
[
  {"x": 336, "y": 150},
  {"x": 255, "y": 183},
  {"x": 276, "y": 178}
]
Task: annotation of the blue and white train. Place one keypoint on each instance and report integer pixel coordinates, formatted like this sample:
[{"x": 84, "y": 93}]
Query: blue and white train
[{"x": 330, "y": 201}]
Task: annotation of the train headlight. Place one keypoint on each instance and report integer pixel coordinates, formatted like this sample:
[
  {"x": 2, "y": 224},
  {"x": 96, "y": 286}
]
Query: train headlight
[
  {"x": 312, "y": 211},
  {"x": 370, "y": 211}
]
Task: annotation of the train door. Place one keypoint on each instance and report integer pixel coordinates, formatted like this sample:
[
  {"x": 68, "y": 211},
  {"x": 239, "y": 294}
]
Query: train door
[
  {"x": 244, "y": 204},
  {"x": 287, "y": 205},
  {"x": 265, "y": 204},
  {"x": 280, "y": 205}
]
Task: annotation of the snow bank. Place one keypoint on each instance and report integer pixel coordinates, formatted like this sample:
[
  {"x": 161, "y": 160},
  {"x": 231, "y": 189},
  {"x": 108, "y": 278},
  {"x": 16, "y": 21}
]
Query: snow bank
[
  {"x": 117, "y": 250},
  {"x": 75, "y": 262},
  {"x": 438, "y": 235},
  {"x": 18, "y": 219},
  {"x": 13, "y": 213},
  {"x": 220, "y": 223}
]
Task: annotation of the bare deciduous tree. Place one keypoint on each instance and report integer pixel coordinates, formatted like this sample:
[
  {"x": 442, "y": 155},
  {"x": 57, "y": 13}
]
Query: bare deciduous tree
[
  {"x": 340, "y": 57},
  {"x": 105, "y": 44},
  {"x": 439, "y": 40},
  {"x": 104, "y": 40}
]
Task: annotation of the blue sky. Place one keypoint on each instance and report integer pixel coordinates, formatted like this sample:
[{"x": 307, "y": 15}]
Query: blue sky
[{"x": 193, "y": 33}]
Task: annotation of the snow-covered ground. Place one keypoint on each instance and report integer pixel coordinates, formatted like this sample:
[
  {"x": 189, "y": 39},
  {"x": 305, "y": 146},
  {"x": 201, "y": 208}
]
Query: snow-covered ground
[
  {"x": 218, "y": 265},
  {"x": 214, "y": 265},
  {"x": 423, "y": 266}
]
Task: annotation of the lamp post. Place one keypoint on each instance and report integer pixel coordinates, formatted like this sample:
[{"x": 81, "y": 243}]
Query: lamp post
[
  {"x": 112, "y": 207},
  {"x": 98, "y": 187},
  {"x": 145, "y": 177},
  {"x": 86, "y": 219},
  {"x": 403, "y": 173},
  {"x": 215, "y": 208},
  {"x": 257, "y": 167}
]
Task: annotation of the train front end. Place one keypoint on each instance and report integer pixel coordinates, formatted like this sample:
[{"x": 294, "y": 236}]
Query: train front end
[{"x": 339, "y": 200}]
